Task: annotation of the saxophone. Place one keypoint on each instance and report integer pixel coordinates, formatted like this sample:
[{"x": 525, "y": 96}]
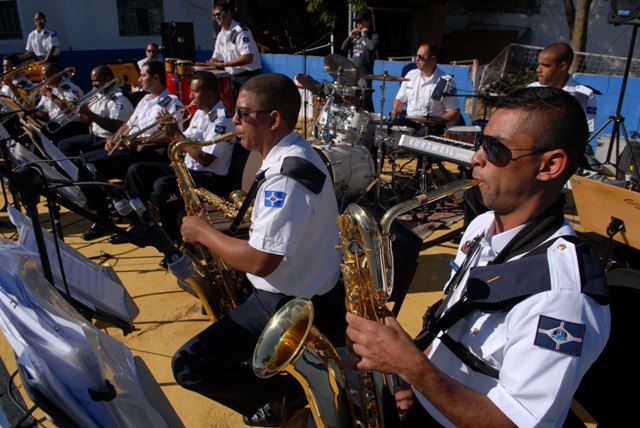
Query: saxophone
[
  {"x": 290, "y": 343},
  {"x": 214, "y": 282}
]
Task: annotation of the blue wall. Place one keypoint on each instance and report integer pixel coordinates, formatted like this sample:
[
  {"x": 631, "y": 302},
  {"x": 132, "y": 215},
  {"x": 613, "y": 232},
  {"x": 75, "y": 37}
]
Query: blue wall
[{"x": 290, "y": 65}]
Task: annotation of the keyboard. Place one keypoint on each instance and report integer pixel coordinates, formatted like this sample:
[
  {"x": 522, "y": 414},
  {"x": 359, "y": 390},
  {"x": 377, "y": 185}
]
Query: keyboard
[{"x": 444, "y": 148}]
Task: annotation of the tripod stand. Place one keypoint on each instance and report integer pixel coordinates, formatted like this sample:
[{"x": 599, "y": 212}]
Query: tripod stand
[{"x": 618, "y": 119}]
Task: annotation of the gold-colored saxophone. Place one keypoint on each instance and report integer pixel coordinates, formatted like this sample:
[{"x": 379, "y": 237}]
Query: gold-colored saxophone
[
  {"x": 289, "y": 343},
  {"x": 215, "y": 282}
]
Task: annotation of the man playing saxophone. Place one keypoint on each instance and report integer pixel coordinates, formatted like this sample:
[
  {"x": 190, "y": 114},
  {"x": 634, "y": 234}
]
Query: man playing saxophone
[
  {"x": 15, "y": 82},
  {"x": 105, "y": 112},
  {"x": 525, "y": 312},
  {"x": 145, "y": 116},
  {"x": 208, "y": 166},
  {"x": 291, "y": 252}
]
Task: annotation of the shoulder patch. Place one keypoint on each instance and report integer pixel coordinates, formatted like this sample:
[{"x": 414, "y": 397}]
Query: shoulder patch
[
  {"x": 220, "y": 129},
  {"x": 560, "y": 336},
  {"x": 274, "y": 198},
  {"x": 164, "y": 102},
  {"x": 213, "y": 115},
  {"x": 303, "y": 172},
  {"x": 592, "y": 110}
]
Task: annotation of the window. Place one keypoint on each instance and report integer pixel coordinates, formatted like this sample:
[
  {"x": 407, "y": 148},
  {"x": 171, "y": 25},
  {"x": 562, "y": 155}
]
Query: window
[
  {"x": 9, "y": 20},
  {"x": 473, "y": 7},
  {"x": 140, "y": 17}
]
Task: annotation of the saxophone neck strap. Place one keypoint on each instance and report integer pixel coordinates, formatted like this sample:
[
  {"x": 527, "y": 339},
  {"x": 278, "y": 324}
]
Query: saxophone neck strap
[{"x": 248, "y": 200}]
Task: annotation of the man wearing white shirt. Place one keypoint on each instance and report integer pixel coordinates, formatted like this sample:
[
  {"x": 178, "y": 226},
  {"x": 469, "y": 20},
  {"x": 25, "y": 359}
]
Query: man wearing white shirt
[
  {"x": 152, "y": 54},
  {"x": 235, "y": 50},
  {"x": 42, "y": 42}
]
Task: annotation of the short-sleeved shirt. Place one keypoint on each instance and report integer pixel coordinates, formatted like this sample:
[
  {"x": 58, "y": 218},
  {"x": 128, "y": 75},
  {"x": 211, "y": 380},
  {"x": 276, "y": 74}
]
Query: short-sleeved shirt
[
  {"x": 536, "y": 383},
  {"x": 113, "y": 105},
  {"x": 205, "y": 127},
  {"x": 290, "y": 220},
  {"x": 21, "y": 82},
  {"x": 40, "y": 42},
  {"x": 585, "y": 96},
  {"x": 146, "y": 112},
  {"x": 233, "y": 44},
  {"x": 417, "y": 91},
  {"x": 66, "y": 90}
]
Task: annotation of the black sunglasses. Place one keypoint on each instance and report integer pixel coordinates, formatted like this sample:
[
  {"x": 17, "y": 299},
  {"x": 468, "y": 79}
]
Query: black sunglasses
[
  {"x": 244, "y": 113},
  {"x": 492, "y": 147}
]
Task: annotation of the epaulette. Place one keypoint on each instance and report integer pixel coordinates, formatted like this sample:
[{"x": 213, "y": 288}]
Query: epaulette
[
  {"x": 164, "y": 102},
  {"x": 304, "y": 172}
]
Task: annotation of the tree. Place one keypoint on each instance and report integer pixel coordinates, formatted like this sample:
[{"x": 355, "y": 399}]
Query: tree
[{"x": 578, "y": 21}]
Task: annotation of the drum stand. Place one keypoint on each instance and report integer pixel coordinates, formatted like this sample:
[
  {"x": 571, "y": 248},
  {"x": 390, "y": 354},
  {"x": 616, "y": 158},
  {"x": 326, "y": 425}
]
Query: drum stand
[{"x": 380, "y": 154}]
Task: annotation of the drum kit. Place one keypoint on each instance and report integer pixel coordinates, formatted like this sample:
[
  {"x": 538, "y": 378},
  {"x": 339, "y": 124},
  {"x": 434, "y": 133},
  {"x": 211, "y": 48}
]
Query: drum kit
[{"x": 346, "y": 136}]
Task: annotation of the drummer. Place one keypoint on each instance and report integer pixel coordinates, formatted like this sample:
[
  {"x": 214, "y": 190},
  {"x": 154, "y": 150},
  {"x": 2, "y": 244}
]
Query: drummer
[
  {"x": 152, "y": 54},
  {"x": 418, "y": 93},
  {"x": 235, "y": 50}
]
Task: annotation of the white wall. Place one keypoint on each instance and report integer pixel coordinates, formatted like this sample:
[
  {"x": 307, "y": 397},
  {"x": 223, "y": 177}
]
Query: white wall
[
  {"x": 550, "y": 26},
  {"x": 93, "y": 24}
]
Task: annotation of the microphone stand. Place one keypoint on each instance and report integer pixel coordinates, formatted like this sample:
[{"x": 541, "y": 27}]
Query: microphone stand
[{"x": 310, "y": 48}]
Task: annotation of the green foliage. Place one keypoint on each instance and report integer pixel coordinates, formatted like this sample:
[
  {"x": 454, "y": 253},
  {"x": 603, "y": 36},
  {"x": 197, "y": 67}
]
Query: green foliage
[{"x": 325, "y": 10}]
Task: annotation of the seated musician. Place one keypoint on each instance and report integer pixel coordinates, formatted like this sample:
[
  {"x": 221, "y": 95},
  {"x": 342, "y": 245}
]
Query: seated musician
[
  {"x": 208, "y": 166},
  {"x": 105, "y": 112},
  {"x": 525, "y": 312},
  {"x": 291, "y": 251},
  {"x": 418, "y": 93},
  {"x": 113, "y": 161},
  {"x": 152, "y": 53},
  {"x": 58, "y": 92},
  {"x": 13, "y": 86}
]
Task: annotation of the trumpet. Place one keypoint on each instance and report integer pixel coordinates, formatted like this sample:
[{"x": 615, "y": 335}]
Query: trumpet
[
  {"x": 21, "y": 70},
  {"x": 67, "y": 73},
  {"x": 126, "y": 140},
  {"x": 72, "y": 111}
]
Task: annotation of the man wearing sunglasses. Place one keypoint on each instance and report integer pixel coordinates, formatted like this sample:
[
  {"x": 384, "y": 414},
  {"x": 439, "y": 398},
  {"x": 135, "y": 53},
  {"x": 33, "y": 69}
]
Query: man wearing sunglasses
[
  {"x": 525, "y": 312},
  {"x": 418, "y": 93},
  {"x": 553, "y": 66},
  {"x": 235, "y": 51},
  {"x": 152, "y": 53},
  {"x": 291, "y": 252}
]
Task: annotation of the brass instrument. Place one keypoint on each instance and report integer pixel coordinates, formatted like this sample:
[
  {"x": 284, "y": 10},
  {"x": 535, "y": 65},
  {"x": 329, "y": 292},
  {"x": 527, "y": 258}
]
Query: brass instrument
[
  {"x": 367, "y": 272},
  {"x": 72, "y": 110},
  {"x": 67, "y": 73},
  {"x": 126, "y": 140},
  {"x": 21, "y": 70},
  {"x": 215, "y": 282}
]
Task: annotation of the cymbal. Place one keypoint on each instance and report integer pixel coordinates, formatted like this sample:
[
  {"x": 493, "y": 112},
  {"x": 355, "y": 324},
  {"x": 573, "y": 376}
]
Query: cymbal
[
  {"x": 429, "y": 120},
  {"x": 385, "y": 77},
  {"x": 341, "y": 69},
  {"x": 310, "y": 84}
]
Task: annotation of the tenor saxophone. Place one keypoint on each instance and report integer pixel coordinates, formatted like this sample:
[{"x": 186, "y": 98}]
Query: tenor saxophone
[
  {"x": 214, "y": 282},
  {"x": 290, "y": 343}
]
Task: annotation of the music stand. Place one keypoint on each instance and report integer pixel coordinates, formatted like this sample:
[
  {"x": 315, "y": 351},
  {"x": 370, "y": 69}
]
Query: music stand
[
  {"x": 618, "y": 119},
  {"x": 125, "y": 70}
]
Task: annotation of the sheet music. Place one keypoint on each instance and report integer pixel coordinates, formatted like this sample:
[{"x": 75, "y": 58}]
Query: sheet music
[{"x": 55, "y": 153}]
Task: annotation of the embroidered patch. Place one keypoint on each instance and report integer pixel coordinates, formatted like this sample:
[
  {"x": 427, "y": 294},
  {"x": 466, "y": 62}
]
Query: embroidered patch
[
  {"x": 273, "y": 198},
  {"x": 118, "y": 106},
  {"x": 465, "y": 246},
  {"x": 559, "y": 335},
  {"x": 591, "y": 110},
  {"x": 220, "y": 129},
  {"x": 245, "y": 39}
]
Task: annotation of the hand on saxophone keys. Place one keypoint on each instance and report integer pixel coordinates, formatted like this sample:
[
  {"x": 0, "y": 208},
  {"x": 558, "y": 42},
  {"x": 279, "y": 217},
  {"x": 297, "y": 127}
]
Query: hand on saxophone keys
[{"x": 193, "y": 227}]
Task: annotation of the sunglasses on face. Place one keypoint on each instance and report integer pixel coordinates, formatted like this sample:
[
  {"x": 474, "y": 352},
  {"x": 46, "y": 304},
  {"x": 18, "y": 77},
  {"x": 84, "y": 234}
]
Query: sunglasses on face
[
  {"x": 242, "y": 113},
  {"x": 218, "y": 14},
  {"x": 152, "y": 50},
  {"x": 492, "y": 148},
  {"x": 422, "y": 57}
]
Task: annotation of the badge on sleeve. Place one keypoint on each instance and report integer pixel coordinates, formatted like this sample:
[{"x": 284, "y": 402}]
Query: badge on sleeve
[
  {"x": 274, "y": 198},
  {"x": 592, "y": 110},
  {"x": 559, "y": 335},
  {"x": 220, "y": 129}
]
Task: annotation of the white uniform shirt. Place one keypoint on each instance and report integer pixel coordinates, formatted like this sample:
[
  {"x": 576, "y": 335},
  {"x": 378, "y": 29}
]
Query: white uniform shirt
[
  {"x": 145, "y": 59},
  {"x": 417, "y": 91},
  {"x": 536, "y": 384},
  {"x": 585, "y": 96},
  {"x": 234, "y": 43},
  {"x": 66, "y": 90},
  {"x": 206, "y": 127},
  {"x": 21, "y": 82},
  {"x": 291, "y": 220},
  {"x": 114, "y": 105},
  {"x": 40, "y": 42},
  {"x": 146, "y": 112}
]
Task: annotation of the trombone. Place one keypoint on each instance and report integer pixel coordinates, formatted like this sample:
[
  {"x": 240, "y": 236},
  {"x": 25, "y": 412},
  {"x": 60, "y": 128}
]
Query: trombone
[
  {"x": 67, "y": 73},
  {"x": 72, "y": 111},
  {"x": 21, "y": 70},
  {"x": 125, "y": 140}
]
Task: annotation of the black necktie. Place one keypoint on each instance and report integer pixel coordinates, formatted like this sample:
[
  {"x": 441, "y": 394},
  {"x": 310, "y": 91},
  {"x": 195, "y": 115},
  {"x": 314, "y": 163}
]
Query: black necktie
[{"x": 233, "y": 229}]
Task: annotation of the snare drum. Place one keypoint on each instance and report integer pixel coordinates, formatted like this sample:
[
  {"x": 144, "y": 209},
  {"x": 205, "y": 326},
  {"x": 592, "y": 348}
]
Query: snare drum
[
  {"x": 329, "y": 120},
  {"x": 184, "y": 68},
  {"x": 170, "y": 65},
  {"x": 466, "y": 134},
  {"x": 395, "y": 132},
  {"x": 351, "y": 168}
]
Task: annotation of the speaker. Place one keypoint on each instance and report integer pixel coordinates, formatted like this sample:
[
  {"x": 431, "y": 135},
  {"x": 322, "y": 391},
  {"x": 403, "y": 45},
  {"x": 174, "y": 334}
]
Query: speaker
[
  {"x": 178, "y": 41},
  {"x": 624, "y": 12}
]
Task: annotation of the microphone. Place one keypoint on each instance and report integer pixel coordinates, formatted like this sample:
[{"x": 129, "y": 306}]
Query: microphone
[
  {"x": 178, "y": 263},
  {"x": 331, "y": 42},
  {"x": 116, "y": 193}
]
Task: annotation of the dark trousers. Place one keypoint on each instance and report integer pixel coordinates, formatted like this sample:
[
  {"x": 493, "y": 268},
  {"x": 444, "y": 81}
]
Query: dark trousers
[
  {"x": 156, "y": 182},
  {"x": 217, "y": 362},
  {"x": 69, "y": 130},
  {"x": 238, "y": 80},
  {"x": 75, "y": 146}
]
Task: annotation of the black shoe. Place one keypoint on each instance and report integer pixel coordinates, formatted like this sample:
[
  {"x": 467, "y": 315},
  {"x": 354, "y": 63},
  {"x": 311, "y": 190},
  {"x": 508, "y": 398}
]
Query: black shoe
[
  {"x": 263, "y": 417},
  {"x": 94, "y": 232},
  {"x": 163, "y": 263},
  {"x": 119, "y": 239}
]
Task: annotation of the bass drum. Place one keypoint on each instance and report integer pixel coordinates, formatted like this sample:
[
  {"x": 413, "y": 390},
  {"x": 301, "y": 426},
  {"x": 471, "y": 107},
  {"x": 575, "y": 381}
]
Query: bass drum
[{"x": 351, "y": 168}]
